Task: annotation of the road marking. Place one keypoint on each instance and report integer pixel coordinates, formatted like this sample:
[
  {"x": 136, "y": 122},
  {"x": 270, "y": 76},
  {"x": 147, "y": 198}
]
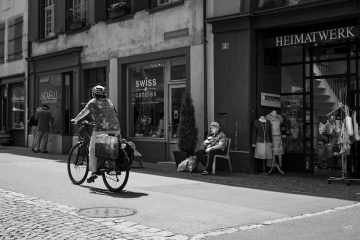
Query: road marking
[{"x": 274, "y": 221}]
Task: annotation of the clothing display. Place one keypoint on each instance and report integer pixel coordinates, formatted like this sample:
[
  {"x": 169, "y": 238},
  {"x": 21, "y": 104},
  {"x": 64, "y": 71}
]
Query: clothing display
[
  {"x": 275, "y": 121},
  {"x": 262, "y": 139}
]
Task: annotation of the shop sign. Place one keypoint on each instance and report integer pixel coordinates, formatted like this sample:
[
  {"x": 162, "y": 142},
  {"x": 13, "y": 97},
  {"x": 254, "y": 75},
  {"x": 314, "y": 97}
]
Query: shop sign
[
  {"x": 270, "y": 100},
  {"x": 49, "y": 96},
  {"x": 146, "y": 88},
  {"x": 317, "y": 36}
]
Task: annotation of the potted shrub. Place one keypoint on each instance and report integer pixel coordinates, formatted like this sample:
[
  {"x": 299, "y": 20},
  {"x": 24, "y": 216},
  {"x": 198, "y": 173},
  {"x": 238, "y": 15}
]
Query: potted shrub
[{"x": 187, "y": 130}]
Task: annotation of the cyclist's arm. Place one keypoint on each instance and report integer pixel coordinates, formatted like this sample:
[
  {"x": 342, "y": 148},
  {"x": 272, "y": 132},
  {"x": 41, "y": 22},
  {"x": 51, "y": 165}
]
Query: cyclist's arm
[{"x": 81, "y": 114}]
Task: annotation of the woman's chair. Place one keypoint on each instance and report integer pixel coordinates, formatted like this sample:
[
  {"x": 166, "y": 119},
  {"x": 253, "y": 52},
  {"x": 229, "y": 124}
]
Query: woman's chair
[{"x": 225, "y": 156}]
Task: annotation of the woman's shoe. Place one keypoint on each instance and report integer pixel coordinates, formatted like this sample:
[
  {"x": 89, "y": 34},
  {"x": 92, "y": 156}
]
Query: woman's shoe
[{"x": 92, "y": 178}]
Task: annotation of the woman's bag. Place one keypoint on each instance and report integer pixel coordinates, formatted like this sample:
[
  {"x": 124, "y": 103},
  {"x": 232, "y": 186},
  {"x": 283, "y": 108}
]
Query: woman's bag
[{"x": 106, "y": 146}]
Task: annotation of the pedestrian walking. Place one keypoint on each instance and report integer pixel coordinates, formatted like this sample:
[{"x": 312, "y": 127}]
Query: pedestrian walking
[
  {"x": 43, "y": 115},
  {"x": 32, "y": 124}
]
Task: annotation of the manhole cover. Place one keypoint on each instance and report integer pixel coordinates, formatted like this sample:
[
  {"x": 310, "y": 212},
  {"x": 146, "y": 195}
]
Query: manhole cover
[{"x": 106, "y": 212}]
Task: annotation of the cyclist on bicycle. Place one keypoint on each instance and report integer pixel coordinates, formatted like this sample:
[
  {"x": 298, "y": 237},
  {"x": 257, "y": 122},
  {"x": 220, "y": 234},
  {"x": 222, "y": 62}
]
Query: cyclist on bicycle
[{"x": 106, "y": 122}]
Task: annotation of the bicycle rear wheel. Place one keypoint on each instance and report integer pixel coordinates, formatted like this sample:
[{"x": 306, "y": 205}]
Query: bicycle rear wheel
[
  {"x": 115, "y": 181},
  {"x": 78, "y": 163}
]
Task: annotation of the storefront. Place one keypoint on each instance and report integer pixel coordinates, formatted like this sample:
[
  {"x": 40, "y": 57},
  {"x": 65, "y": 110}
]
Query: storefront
[
  {"x": 12, "y": 114},
  {"x": 154, "y": 90},
  {"x": 54, "y": 80},
  {"x": 312, "y": 70}
]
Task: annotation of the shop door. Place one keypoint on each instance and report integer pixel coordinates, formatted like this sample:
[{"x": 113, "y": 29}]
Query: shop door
[
  {"x": 332, "y": 80},
  {"x": 3, "y": 105},
  {"x": 176, "y": 92}
]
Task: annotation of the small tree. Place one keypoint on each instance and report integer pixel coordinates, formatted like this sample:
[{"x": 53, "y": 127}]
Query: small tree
[{"x": 187, "y": 130}]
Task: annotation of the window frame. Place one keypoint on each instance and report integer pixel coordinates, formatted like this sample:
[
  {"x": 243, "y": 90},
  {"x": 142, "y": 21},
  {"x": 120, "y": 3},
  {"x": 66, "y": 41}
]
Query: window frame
[
  {"x": 48, "y": 32},
  {"x": 16, "y": 53},
  {"x": 2, "y": 42}
]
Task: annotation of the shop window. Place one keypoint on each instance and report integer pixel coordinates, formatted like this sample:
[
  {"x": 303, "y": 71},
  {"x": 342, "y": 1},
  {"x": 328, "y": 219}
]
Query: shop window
[
  {"x": 2, "y": 41},
  {"x": 292, "y": 79},
  {"x": 15, "y": 38},
  {"x": 178, "y": 69},
  {"x": 269, "y": 4},
  {"x": 50, "y": 93},
  {"x": 118, "y": 8},
  {"x": 49, "y": 18},
  {"x": 77, "y": 15},
  {"x": 146, "y": 100},
  {"x": 94, "y": 76},
  {"x": 163, "y": 2},
  {"x": 18, "y": 107}
]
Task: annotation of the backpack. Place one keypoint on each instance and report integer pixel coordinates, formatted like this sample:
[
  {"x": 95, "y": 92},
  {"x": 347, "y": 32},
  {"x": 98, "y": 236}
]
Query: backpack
[{"x": 32, "y": 121}]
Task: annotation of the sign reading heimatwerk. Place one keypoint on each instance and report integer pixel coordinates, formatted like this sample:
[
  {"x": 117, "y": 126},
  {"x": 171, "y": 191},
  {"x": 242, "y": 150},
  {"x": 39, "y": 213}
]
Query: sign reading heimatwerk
[{"x": 317, "y": 36}]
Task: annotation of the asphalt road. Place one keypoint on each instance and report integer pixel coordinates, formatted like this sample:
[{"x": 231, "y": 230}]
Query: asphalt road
[{"x": 192, "y": 209}]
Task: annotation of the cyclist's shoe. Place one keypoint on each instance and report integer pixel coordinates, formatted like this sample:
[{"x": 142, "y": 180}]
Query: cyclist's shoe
[{"x": 92, "y": 178}]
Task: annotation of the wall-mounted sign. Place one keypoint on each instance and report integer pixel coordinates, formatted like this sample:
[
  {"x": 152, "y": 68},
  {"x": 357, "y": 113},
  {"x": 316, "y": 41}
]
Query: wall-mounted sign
[
  {"x": 176, "y": 33},
  {"x": 270, "y": 100},
  {"x": 316, "y": 36}
]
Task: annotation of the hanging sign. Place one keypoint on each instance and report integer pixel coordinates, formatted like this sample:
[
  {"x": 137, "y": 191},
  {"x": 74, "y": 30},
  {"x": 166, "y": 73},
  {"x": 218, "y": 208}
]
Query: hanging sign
[
  {"x": 316, "y": 36},
  {"x": 270, "y": 100}
]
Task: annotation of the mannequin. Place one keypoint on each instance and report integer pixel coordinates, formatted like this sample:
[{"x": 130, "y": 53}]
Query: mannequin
[
  {"x": 277, "y": 149},
  {"x": 262, "y": 139}
]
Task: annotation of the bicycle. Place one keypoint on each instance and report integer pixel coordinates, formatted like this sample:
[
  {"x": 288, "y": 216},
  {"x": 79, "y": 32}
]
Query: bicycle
[{"x": 114, "y": 172}]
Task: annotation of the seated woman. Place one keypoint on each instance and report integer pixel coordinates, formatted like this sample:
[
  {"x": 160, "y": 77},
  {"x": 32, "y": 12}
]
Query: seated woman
[{"x": 214, "y": 144}]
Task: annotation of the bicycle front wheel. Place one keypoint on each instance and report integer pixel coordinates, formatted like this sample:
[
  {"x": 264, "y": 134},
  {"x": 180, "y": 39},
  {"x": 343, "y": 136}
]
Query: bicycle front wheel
[
  {"x": 115, "y": 181},
  {"x": 78, "y": 163}
]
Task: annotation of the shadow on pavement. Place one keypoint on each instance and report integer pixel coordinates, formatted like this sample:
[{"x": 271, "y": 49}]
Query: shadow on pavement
[
  {"x": 295, "y": 183},
  {"x": 121, "y": 194}
]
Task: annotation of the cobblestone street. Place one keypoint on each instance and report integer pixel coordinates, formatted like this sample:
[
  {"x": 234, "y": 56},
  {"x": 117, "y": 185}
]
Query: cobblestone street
[{"x": 24, "y": 217}]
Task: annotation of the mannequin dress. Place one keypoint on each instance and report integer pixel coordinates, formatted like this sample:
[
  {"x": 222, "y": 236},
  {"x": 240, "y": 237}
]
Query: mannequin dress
[{"x": 262, "y": 138}]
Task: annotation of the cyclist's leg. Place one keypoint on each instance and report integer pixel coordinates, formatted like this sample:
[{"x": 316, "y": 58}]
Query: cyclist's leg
[{"x": 92, "y": 158}]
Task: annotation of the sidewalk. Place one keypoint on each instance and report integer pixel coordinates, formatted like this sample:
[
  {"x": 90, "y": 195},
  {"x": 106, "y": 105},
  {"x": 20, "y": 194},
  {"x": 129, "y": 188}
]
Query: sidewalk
[{"x": 297, "y": 183}]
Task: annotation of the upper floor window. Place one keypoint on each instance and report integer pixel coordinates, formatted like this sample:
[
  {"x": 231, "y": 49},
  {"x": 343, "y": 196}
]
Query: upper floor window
[
  {"x": 49, "y": 18},
  {"x": 269, "y": 4},
  {"x": 2, "y": 41},
  {"x": 118, "y": 8},
  {"x": 15, "y": 33},
  {"x": 78, "y": 14}
]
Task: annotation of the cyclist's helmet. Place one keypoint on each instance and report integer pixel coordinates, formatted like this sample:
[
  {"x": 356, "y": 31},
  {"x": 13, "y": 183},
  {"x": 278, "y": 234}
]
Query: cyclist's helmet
[{"x": 98, "y": 91}]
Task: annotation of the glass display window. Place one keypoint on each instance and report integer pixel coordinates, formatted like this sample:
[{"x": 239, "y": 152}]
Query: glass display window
[
  {"x": 18, "y": 107},
  {"x": 50, "y": 93},
  {"x": 146, "y": 100},
  {"x": 270, "y": 4}
]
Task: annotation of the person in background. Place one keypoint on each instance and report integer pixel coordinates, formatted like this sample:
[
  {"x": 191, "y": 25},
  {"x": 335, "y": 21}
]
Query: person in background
[
  {"x": 43, "y": 116},
  {"x": 32, "y": 124},
  {"x": 215, "y": 143},
  {"x": 106, "y": 122}
]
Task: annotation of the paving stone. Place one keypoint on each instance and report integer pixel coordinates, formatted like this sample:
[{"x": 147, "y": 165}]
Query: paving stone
[{"x": 25, "y": 217}]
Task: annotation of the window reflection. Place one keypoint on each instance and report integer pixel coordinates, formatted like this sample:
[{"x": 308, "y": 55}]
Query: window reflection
[
  {"x": 269, "y": 4},
  {"x": 18, "y": 107},
  {"x": 146, "y": 98}
]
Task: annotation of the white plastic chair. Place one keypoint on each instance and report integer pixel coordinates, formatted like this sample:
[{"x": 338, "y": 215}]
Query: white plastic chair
[{"x": 225, "y": 156}]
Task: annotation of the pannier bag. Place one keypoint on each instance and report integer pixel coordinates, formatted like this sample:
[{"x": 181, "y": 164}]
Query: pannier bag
[{"x": 106, "y": 146}]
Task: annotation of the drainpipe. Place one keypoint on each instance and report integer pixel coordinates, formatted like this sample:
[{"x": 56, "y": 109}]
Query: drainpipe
[{"x": 205, "y": 69}]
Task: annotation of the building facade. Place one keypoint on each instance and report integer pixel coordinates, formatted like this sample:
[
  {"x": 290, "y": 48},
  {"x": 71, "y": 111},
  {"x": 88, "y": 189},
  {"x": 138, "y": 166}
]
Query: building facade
[
  {"x": 299, "y": 58},
  {"x": 146, "y": 53},
  {"x": 13, "y": 72}
]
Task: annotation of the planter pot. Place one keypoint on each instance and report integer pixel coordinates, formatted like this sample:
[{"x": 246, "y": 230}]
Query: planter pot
[
  {"x": 179, "y": 157},
  {"x": 118, "y": 13},
  {"x": 76, "y": 25}
]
